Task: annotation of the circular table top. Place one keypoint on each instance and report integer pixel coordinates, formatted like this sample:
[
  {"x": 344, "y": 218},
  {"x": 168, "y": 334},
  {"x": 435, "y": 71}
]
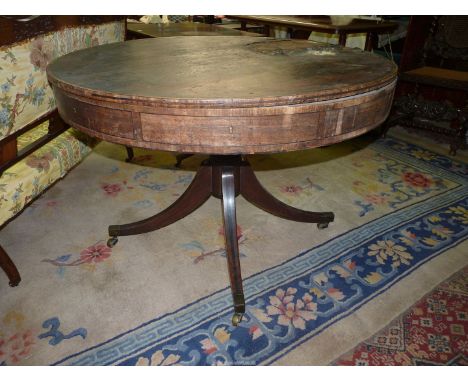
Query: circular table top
[{"x": 227, "y": 82}]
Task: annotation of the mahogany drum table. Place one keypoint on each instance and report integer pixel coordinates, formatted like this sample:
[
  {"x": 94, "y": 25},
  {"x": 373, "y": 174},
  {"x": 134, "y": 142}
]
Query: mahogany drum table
[{"x": 227, "y": 97}]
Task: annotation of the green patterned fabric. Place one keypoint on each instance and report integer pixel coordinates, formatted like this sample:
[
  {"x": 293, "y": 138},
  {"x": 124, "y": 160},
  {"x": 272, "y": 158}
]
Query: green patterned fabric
[
  {"x": 25, "y": 95},
  {"x": 25, "y": 180}
]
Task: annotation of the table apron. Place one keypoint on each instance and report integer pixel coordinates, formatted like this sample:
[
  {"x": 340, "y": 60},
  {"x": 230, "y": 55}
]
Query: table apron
[{"x": 228, "y": 131}]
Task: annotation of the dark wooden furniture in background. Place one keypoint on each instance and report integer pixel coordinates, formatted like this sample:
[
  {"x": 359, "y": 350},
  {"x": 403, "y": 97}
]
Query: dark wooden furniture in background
[
  {"x": 14, "y": 29},
  {"x": 19, "y": 28},
  {"x": 202, "y": 99},
  {"x": 432, "y": 92},
  {"x": 322, "y": 24},
  {"x": 141, "y": 30}
]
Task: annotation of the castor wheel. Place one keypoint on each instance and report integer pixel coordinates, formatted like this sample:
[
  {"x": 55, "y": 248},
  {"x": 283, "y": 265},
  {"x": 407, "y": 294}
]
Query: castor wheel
[
  {"x": 112, "y": 241},
  {"x": 237, "y": 318},
  {"x": 322, "y": 225},
  {"x": 13, "y": 283}
]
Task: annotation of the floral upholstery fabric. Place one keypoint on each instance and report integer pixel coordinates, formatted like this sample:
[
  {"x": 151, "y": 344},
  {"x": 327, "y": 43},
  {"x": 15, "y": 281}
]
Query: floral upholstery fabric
[
  {"x": 25, "y": 94},
  {"x": 28, "y": 178}
]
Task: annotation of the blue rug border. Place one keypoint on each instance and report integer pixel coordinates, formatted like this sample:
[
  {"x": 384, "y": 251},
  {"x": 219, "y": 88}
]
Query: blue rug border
[
  {"x": 323, "y": 263},
  {"x": 378, "y": 293}
]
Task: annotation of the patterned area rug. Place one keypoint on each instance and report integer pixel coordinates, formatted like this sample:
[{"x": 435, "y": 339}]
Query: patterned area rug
[
  {"x": 162, "y": 298},
  {"x": 433, "y": 332}
]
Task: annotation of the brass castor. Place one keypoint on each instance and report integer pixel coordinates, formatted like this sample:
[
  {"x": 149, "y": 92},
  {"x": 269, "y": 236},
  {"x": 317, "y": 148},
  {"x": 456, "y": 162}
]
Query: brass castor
[
  {"x": 237, "y": 318},
  {"x": 322, "y": 225},
  {"x": 112, "y": 241}
]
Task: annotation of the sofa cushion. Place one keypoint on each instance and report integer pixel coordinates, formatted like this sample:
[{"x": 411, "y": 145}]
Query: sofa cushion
[{"x": 25, "y": 180}]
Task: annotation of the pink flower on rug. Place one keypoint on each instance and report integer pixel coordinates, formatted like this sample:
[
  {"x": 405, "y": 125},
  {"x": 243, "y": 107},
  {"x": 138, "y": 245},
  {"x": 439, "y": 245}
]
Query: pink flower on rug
[
  {"x": 16, "y": 347},
  {"x": 239, "y": 231},
  {"x": 351, "y": 265},
  {"x": 255, "y": 332},
  {"x": 291, "y": 189},
  {"x": 208, "y": 346},
  {"x": 336, "y": 294},
  {"x": 417, "y": 179},
  {"x": 376, "y": 199},
  {"x": 95, "y": 253},
  {"x": 111, "y": 189},
  {"x": 289, "y": 312}
]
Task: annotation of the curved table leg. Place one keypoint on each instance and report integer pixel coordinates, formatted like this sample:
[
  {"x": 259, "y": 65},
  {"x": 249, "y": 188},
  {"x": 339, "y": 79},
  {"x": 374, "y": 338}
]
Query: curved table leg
[
  {"x": 253, "y": 191},
  {"x": 9, "y": 268},
  {"x": 232, "y": 245},
  {"x": 224, "y": 177},
  {"x": 193, "y": 197}
]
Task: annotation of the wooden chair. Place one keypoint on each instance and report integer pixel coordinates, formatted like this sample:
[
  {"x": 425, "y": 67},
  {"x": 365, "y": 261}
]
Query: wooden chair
[{"x": 432, "y": 93}]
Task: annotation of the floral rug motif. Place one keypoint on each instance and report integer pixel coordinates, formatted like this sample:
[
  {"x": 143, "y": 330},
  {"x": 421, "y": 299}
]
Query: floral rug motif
[
  {"x": 163, "y": 298},
  {"x": 433, "y": 332}
]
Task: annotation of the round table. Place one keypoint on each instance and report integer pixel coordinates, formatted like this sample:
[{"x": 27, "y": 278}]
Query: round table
[{"x": 227, "y": 97}]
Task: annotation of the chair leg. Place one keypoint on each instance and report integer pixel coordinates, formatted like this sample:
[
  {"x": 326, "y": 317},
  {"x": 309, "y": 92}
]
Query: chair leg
[
  {"x": 459, "y": 139},
  {"x": 9, "y": 268}
]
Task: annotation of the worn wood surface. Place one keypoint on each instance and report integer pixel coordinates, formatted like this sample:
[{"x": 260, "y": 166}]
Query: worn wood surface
[{"x": 223, "y": 95}]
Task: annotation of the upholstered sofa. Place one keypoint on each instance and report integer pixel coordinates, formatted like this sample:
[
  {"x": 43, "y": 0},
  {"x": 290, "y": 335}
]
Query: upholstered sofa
[{"x": 36, "y": 147}]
